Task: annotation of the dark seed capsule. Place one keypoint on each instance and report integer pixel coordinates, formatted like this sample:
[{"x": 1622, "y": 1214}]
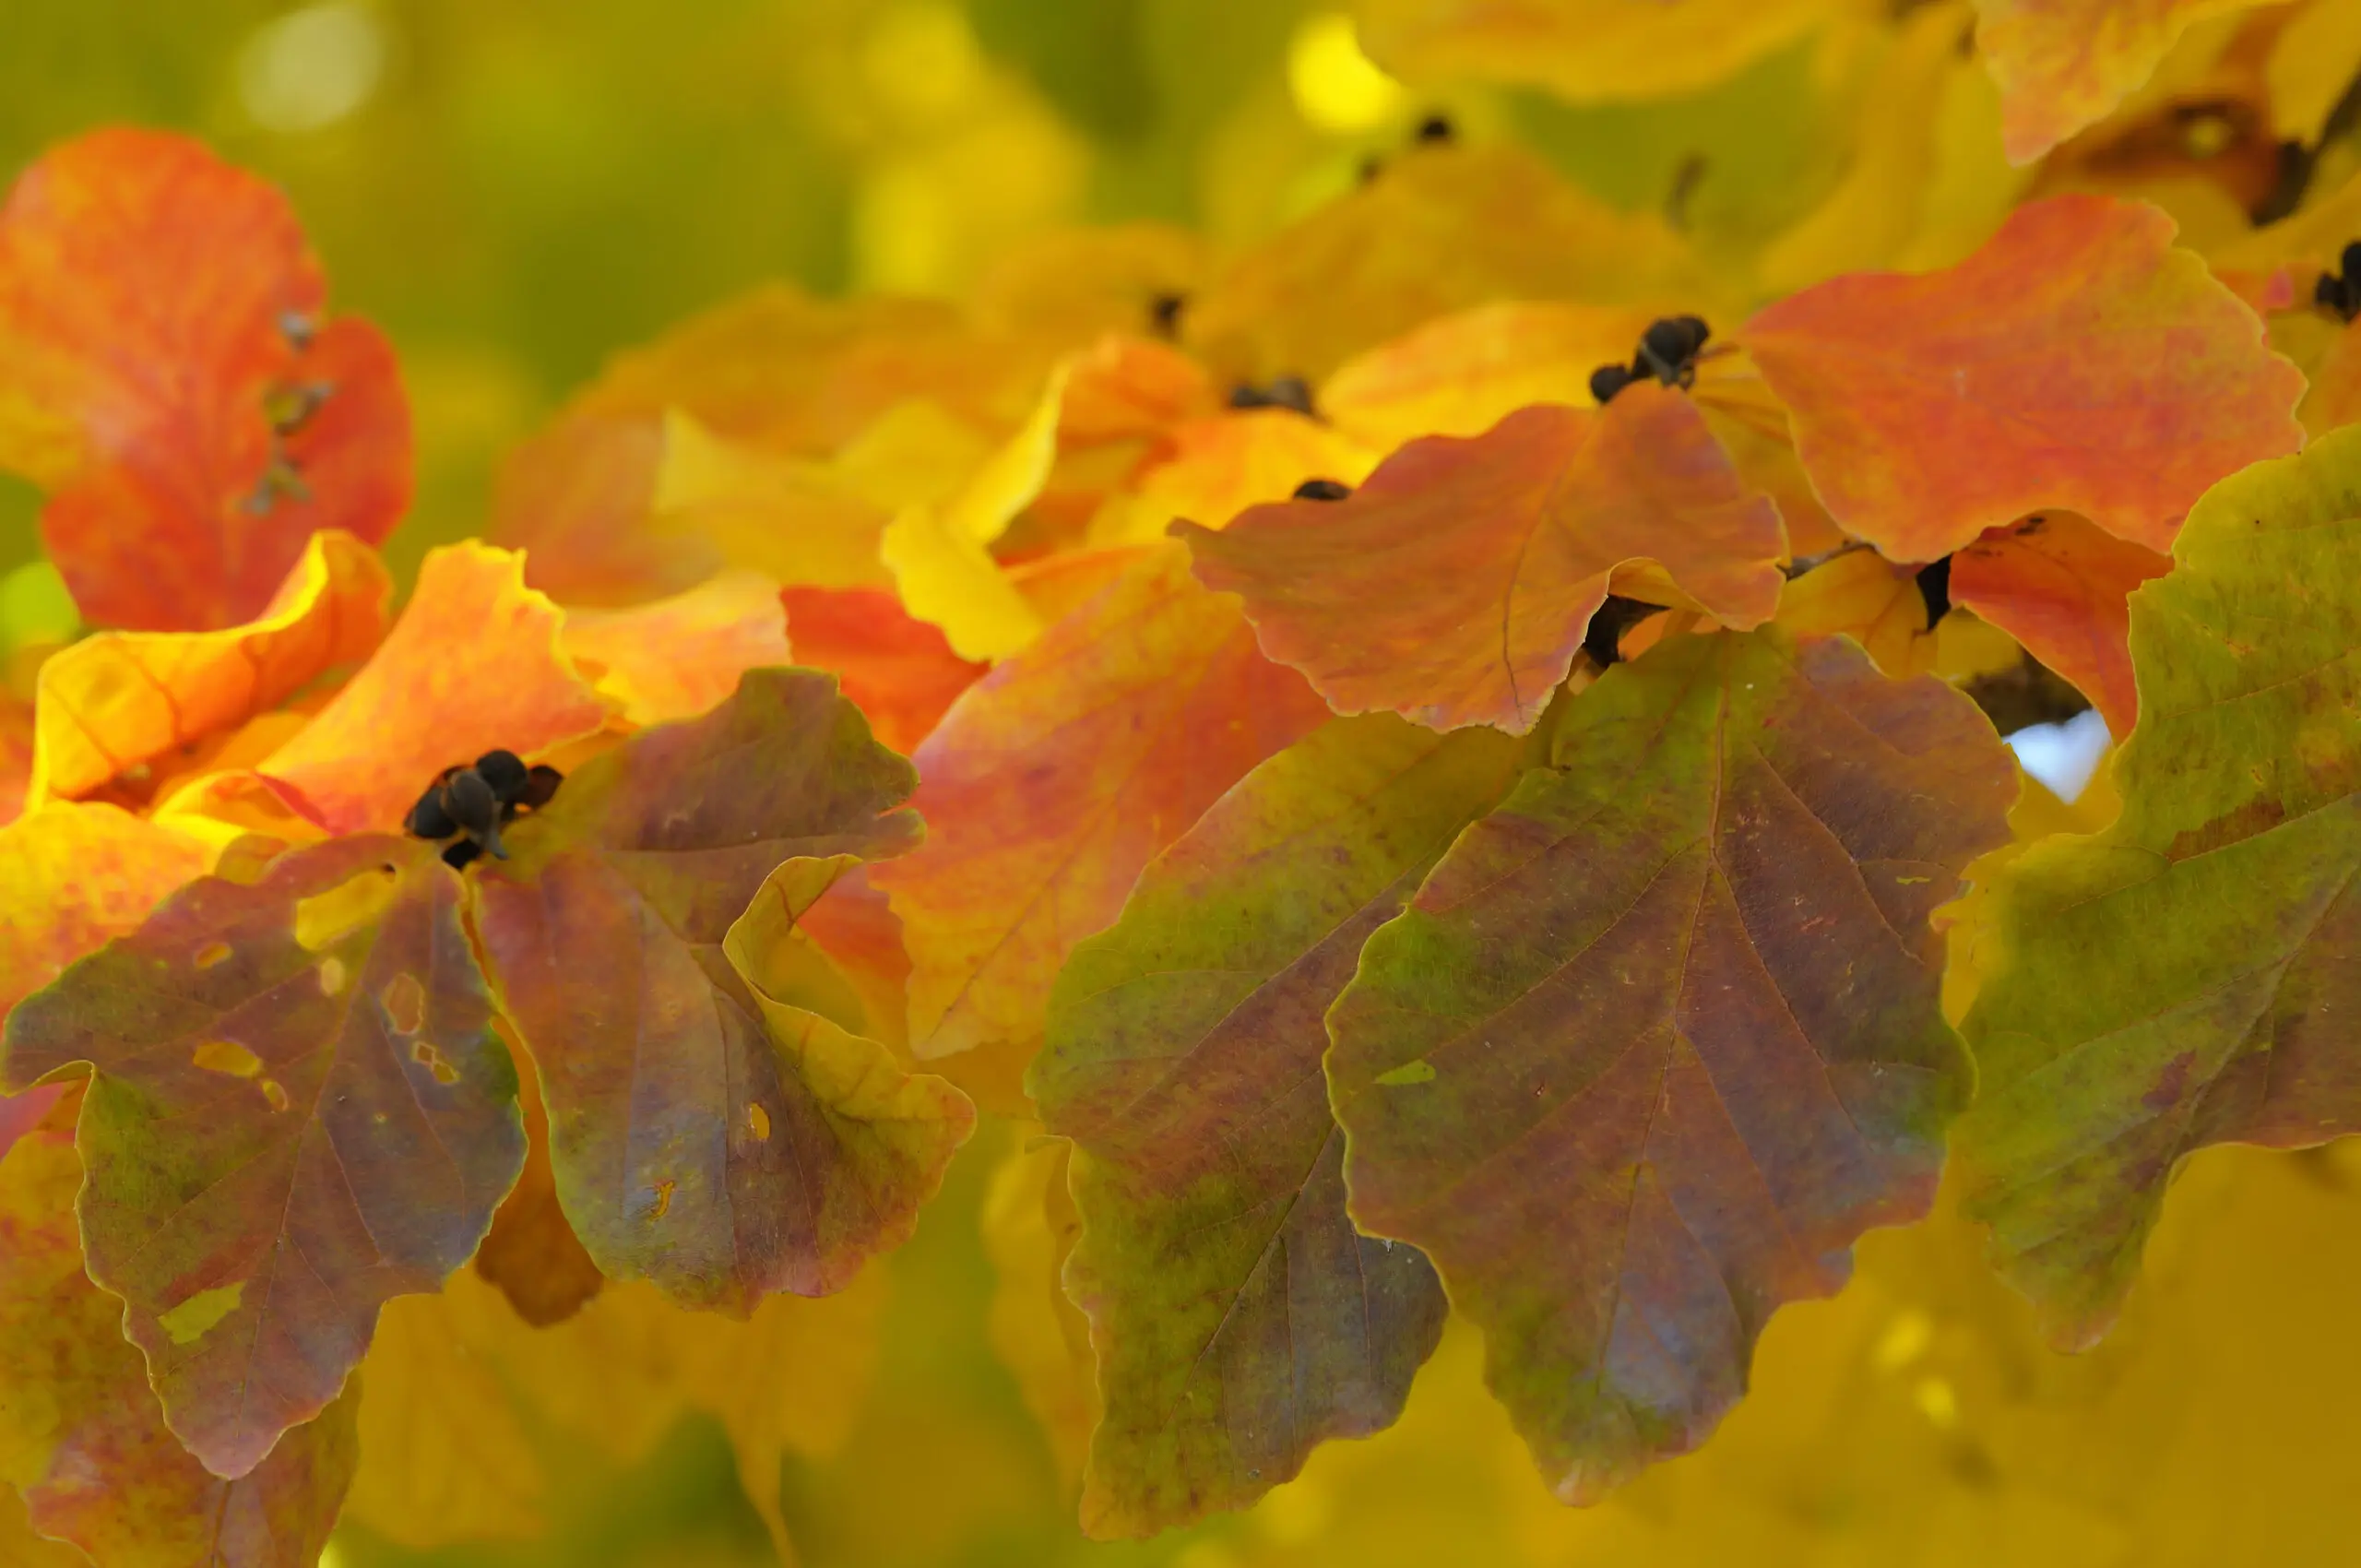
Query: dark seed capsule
[
  {"x": 1667, "y": 347},
  {"x": 475, "y": 808},
  {"x": 505, "y": 771},
  {"x": 1283, "y": 392},
  {"x": 460, "y": 852},
  {"x": 1322, "y": 490},
  {"x": 540, "y": 786},
  {"x": 1935, "y": 588},
  {"x": 1164, "y": 313},
  {"x": 1607, "y": 380},
  {"x": 428, "y": 819},
  {"x": 1436, "y": 130},
  {"x": 2349, "y": 264}
]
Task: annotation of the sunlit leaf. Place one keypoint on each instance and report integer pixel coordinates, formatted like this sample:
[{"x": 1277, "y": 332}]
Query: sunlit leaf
[
  {"x": 1443, "y": 229},
  {"x": 1659, "y": 1038},
  {"x": 179, "y": 500},
  {"x": 1456, "y": 586},
  {"x": 298, "y": 1109},
  {"x": 2065, "y": 65},
  {"x": 677, "y": 656},
  {"x": 1237, "y": 1318},
  {"x": 703, "y": 1134},
  {"x": 1209, "y": 471},
  {"x": 474, "y": 662},
  {"x": 80, "y": 1434},
  {"x": 2058, "y": 586},
  {"x": 1585, "y": 51},
  {"x": 1029, "y": 1225},
  {"x": 71, "y": 876},
  {"x": 117, "y": 699},
  {"x": 2076, "y": 361},
  {"x": 897, "y": 670},
  {"x": 2186, "y": 977},
  {"x": 1462, "y": 374},
  {"x": 1054, "y": 779}
]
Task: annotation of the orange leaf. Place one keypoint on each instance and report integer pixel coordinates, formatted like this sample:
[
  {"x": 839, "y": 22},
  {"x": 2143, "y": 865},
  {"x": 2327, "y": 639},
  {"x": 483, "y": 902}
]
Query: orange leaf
[
  {"x": 2062, "y": 588},
  {"x": 474, "y": 662},
  {"x": 71, "y": 876},
  {"x": 897, "y": 670},
  {"x": 117, "y": 699},
  {"x": 678, "y": 657},
  {"x": 1061, "y": 773},
  {"x": 1455, "y": 586},
  {"x": 86, "y": 1441},
  {"x": 166, "y": 374},
  {"x": 16, "y": 756},
  {"x": 1464, "y": 374},
  {"x": 575, "y": 498},
  {"x": 1213, "y": 469},
  {"x": 2078, "y": 361},
  {"x": 1442, "y": 229},
  {"x": 2064, "y": 65}
]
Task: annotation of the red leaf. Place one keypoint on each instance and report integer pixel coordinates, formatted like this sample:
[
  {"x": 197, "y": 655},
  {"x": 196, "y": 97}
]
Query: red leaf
[
  {"x": 897, "y": 670},
  {"x": 298, "y": 1109},
  {"x": 2062, "y": 588},
  {"x": 2076, "y": 361},
  {"x": 160, "y": 332},
  {"x": 1657, "y": 1039},
  {"x": 1454, "y": 587},
  {"x": 701, "y": 1136},
  {"x": 1059, "y": 776}
]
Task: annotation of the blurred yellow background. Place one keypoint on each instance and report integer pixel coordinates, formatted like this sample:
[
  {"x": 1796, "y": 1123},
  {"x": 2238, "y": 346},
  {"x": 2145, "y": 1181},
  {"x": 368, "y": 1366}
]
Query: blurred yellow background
[{"x": 518, "y": 188}]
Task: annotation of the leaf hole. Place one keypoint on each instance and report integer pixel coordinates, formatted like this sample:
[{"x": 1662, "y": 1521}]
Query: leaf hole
[
  {"x": 227, "y": 1056},
  {"x": 272, "y": 1092},
  {"x": 331, "y": 976},
  {"x": 405, "y": 1003},
  {"x": 425, "y": 1054},
  {"x": 663, "y": 1199},
  {"x": 759, "y": 1121},
  {"x": 211, "y": 954}
]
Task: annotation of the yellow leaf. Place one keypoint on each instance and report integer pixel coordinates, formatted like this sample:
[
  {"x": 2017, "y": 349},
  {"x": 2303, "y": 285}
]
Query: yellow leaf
[
  {"x": 1041, "y": 1336},
  {"x": 2312, "y": 63},
  {"x": 678, "y": 657}
]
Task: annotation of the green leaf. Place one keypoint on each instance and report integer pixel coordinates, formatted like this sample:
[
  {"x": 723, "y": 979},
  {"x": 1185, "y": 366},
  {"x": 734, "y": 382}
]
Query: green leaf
[
  {"x": 1238, "y": 1318},
  {"x": 2189, "y": 976},
  {"x": 719, "y": 1141},
  {"x": 298, "y": 1110},
  {"x": 1678, "y": 998}
]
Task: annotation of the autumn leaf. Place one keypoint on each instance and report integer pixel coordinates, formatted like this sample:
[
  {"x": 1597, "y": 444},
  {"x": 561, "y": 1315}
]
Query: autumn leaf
[
  {"x": 71, "y": 876},
  {"x": 703, "y": 1136},
  {"x": 2058, "y": 586},
  {"x": 2185, "y": 978},
  {"x": 1238, "y": 1318},
  {"x": 1659, "y": 1039},
  {"x": 1054, "y": 779},
  {"x": 1584, "y": 51},
  {"x": 117, "y": 699},
  {"x": 179, "y": 501},
  {"x": 677, "y": 656},
  {"x": 1442, "y": 229},
  {"x": 297, "y": 1110},
  {"x": 1211, "y": 470},
  {"x": 1462, "y": 374},
  {"x": 80, "y": 1435},
  {"x": 475, "y": 661},
  {"x": 2064, "y": 65},
  {"x": 1029, "y": 1225},
  {"x": 2076, "y": 361},
  {"x": 1456, "y": 586},
  {"x": 897, "y": 670},
  {"x": 531, "y": 1252}
]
